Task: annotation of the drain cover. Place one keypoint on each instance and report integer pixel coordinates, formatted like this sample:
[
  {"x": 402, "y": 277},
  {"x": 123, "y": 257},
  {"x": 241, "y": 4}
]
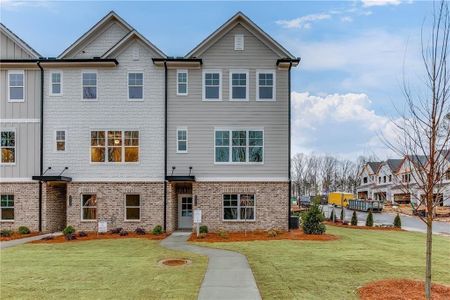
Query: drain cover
[{"x": 175, "y": 262}]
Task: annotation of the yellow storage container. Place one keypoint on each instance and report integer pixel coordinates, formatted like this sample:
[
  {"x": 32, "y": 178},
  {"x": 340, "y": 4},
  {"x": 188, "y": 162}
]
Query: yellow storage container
[{"x": 340, "y": 199}]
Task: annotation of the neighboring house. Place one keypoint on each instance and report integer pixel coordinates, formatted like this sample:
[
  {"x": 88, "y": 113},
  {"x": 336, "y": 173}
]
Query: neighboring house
[
  {"x": 368, "y": 180},
  {"x": 135, "y": 138}
]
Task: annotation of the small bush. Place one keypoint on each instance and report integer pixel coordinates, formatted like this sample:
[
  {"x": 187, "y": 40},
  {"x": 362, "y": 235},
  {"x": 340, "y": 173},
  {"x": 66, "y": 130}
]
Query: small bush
[
  {"x": 312, "y": 221},
  {"x": 272, "y": 233},
  {"x": 82, "y": 234},
  {"x": 68, "y": 230},
  {"x": 369, "y": 220},
  {"x": 24, "y": 230},
  {"x": 6, "y": 233},
  {"x": 397, "y": 221},
  {"x": 203, "y": 229},
  {"x": 140, "y": 231},
  {"x": 157, "y": 230},
  {"x": 70, "y": 236},
  {"x": 354, "y": 221},
  {"x": 202, "y": 235},
  {"x": 116, "y": 230},
  {"x": 332, "y": 215},
  {"x": 123, "y": 233},
  {"x": 222, "y": 233}
]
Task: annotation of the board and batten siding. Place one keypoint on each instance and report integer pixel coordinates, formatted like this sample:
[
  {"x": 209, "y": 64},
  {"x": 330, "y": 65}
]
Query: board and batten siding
[
  {"x": 202, "y": 117},
  {"x": 111, "y": 111},
  {"x": 10, "y": 50}
]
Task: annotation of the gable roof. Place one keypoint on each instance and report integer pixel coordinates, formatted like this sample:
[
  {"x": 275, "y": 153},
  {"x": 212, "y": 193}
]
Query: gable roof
[
  {"x": 109, "y": 17},
  {"x": 132, "y": 34},
  {"x": 394, "y": 164},
  {"x": 22, "y": 44},
  {"x": 374, "y": 165},
  {"x": 240, "y": 18}
]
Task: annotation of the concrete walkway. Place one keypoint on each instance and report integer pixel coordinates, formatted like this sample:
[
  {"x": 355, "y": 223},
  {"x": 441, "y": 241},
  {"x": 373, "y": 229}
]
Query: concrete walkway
[
  {"x": 228, "y": 275},
  {"x": 12, "y": 243}
]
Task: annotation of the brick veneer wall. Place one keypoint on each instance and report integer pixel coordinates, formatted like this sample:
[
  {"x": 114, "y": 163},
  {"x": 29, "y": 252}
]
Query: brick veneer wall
[
  {"x": 53, "y": 207},
  {"x": 271, "y": 204},
  {"x": 26, "y": 205},
  {"x": 111, "y": 204}
]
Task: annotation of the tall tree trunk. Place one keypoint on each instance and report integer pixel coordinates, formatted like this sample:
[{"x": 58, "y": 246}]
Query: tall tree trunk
[{"x": 429, "y": 252}]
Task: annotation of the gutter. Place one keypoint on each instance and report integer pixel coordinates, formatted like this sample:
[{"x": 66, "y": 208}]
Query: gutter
[
  {"x": 41, "y": 154},
  {"x": 178, "y": 59},
  {"x": 54, "y": 60},
  {"x": 165, "y": 146},
  {"x": 289, "y": 147}
]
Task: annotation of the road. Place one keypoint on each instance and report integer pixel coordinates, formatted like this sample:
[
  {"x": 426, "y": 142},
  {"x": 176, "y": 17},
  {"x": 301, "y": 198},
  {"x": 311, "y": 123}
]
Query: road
[{"x": 408, "y": 223}]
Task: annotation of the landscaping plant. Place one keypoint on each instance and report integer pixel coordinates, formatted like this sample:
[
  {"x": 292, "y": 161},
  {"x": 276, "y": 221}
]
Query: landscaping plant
[
  {"x": 354, "y": 221},
  {"x": 203, "y": 229},
  {"x": 369, "y": 220},
  {"x": 397, "y": 221},
  {"x": 68, "y": 230},
  {"x": 222, "y": 233},
  {"x": 140, "y": 231},
  {"x": 157, "y": 230},
  {"x": 82, "y": 234},
  {"x": 116, "y": 230},
  {"x": 312, "y": 221},
  {"x": 6, "y": 233},
  {"x": 70, "y": 236},
  {"x": 24, "y": 230},
  {"x": 123, "y": 232}
]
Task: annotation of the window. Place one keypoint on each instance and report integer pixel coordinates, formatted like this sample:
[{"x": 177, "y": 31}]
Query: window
[
  {"x": 8, "y": 145},
  {"x": 182, "y": 140},
  {"x": 212, "y": 82},
  {"x": 135, "y": 86},
  {"x": 238, "y": 85},
  {"x": 265, "y": 82},
  {"x": 16, "y": 86},
  {"x": 390, "y": 178},
  {"x": 132, "y": 207},
  {"x": 89, "y": 85},
  {"x": 88, "y": 207},
  {"x": 55, "y": 83},
  {"x": 406, "y": 177},
  {"x": 239, "y": 207},
  {"x": 365, "y": 180},
  {"x": 447, "y": 174},
  {"x": 182, "y": 82},
  {"x": 239, "y": 42},
  {"x": 379, "y": 179},
  {"x": 384, "y": 179},
  {"x": 246, "y": 146},
  {"x": 60, "y": 140},
  {"x": 7, "y": 207},
  {"x": 114, "y": 146}
]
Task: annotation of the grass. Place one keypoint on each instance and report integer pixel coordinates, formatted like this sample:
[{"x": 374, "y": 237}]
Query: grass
[
  {"x": 102, "y": 269},
  {"x": 334, "y": 270}
]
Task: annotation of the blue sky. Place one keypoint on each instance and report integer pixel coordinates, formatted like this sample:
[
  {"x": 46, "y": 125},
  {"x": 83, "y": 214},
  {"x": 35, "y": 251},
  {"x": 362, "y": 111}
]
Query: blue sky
[{"x": 354, "y": 53}]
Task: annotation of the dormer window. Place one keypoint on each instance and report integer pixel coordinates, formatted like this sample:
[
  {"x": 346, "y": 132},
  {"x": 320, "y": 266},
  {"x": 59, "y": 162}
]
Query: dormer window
[{"x": 238, "y": 42}]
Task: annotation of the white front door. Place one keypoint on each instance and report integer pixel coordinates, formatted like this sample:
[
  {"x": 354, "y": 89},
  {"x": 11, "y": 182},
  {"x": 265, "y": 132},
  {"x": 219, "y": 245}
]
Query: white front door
[{"x": 184, "y": 211}]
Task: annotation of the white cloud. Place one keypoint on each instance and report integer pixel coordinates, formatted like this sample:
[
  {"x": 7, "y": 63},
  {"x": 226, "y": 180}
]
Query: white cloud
[
  {"x": 17, "y": 4},
  {"x": 346, "y": 19},
  {"x": 303, "y": 22},
  {"x": 369, "y": 3}
]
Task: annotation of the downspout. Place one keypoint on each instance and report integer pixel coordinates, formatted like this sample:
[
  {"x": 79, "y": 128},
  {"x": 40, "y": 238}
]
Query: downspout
[
  {"x": 289, "y": 146},
  {"x": 165, "y": 146},
  {"x": 41, "y": 154}
]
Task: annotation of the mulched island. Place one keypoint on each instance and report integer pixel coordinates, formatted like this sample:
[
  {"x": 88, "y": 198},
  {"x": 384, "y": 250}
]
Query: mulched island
[
  {"x": 337, "y": 224},
  {"x": 261, "y": 236},
  {"x": 17, "y": 235},
  {"x": 398, "y": 289},
  {"x": 96, "y": 236}
]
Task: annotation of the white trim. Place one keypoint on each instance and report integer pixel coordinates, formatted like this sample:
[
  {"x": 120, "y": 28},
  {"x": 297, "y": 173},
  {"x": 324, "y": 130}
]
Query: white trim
[
  {"x": 8, "y": 207},
  {"x": 50, "y": 90},
  {"x": 247, "y": 145},
  {"x": 187, "y": 82},
  {"x": 125, "y": 208},
  {"x": 16, "y": 143},
  {"x": 122, "y": 161},
  {"x": 241, "y": 179},
  {"x": 128, "y": 85},
  {"x": 118, "y": 179},
  {"x": 25, "y": 47},
  {"x": 219, "y": 71},
  {"x": 274, "y": 91},
  {"x": 20, "y": 72},
  {"x": 82, "y": 207},
  {"x": 230, "y": 87},
  {"x": 86, "y": 71},
  {"x": 20, "y": 120},
  {"x": 187, "y": 139},
  {"x": 17, "y": 180},
  {"x": 55, "y": 141}
]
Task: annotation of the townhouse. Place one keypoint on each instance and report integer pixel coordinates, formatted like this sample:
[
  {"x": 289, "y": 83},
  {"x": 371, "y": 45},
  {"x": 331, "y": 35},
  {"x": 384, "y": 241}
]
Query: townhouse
[{"x": 133, "y": 138}]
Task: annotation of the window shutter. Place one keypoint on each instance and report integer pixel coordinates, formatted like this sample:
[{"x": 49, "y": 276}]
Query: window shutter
[{"x": 239, "y": 42}]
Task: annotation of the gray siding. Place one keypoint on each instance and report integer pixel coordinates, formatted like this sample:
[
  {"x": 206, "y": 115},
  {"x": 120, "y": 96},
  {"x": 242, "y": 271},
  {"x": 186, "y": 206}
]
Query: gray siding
[
  {"x": 10, "y": 50},
  {"x": 202, "y": 117}
]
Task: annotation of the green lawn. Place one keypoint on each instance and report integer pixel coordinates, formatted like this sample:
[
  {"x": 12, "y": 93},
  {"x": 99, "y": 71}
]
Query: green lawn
[
  {"x": 334, "y": 270},
  {"x": 102, "y": 269}
]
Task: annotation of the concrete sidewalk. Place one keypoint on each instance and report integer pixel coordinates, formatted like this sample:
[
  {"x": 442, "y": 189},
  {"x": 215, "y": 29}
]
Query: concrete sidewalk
[
  {"x": 228, "y": 275},
  {"x": 12, "y": 243}
]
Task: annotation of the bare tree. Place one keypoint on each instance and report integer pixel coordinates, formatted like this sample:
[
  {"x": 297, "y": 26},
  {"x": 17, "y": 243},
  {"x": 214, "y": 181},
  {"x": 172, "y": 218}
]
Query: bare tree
[
  {"x": 328, "y": 173},
  {"x": 423, "y": 128}
]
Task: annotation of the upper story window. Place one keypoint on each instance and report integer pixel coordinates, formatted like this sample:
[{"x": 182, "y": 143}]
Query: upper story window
[
  {"x": 56, "y": 83},
  {"x": 390, "y": 178},
  {"x": 239, "y": 146},
  {"x": 212, "y": 85},
  {"x": 182, "y": 140},
  {"x": 265, "y": 85},
  {"x": 406, "y": 177},
  {"x": 239, "y": 42},
  {"x": 114, "y": 146},
  {"x": 365, "y": 180},
  {"x": 89, "y": 79},
  {"x": 16, "y": 86},
  {"x": 238, "y": 85},
  {"x": 182, "y": 82},
  {"x": 7, "y": 208},
  {"x": 135, "y": 86},
  {"x": 447, "y": 174},
  {"x": 8, "y": 146},
  {"x": 60, "y": 140}
]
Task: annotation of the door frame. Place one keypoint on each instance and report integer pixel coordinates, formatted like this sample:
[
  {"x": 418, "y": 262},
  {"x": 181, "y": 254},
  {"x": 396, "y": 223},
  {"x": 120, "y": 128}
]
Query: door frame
[{"x": 180, "y": 197}]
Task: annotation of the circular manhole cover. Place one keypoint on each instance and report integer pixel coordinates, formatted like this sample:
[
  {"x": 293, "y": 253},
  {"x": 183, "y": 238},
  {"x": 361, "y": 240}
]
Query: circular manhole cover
[{"x": 175, "y": 262}]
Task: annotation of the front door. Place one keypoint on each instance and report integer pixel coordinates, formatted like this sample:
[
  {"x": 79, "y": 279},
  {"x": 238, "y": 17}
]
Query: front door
[{"x": 184, "y": 211}]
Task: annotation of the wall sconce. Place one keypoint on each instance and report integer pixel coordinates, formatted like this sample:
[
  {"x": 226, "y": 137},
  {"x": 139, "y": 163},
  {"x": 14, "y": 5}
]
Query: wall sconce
[
  {"x": 70, "y": 201},
  {"x": 195, "y": 200}
]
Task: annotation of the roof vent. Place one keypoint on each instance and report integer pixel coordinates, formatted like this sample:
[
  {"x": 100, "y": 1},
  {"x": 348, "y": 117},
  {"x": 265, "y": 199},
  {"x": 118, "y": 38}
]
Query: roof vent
[{"x": 239, "y": 42}]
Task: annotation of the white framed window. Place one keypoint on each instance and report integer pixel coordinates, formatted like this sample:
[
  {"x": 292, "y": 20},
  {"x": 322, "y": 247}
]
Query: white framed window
[
  {"x": 56, "y": 83},
  {"x": 182, "y": 82},
  {"x": 7, "y": 207},
  {"x": 212, "y": 85},
  {"x": 239, "y": 146},
  {"x": 88, "y": 207},
  {"x": 239, "y": 207},
  {"x": 182, "y": 140},
  {"x": 239, "y": 85},
  {"x": 60, "y": 140},
  {"x": 114, "y": 146},
  {"x": 239, "y": 42},
  {"x": 132, "y": 207},
  {"x": 16, "y": 86},
  {"x": 135, "y": 86},
  {"x": 89, "y": 85},
  {"x": 8, "y": 146},
  {"x": 265, "y": 85}
]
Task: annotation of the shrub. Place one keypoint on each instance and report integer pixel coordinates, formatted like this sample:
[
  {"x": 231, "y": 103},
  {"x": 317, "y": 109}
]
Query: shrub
[
  {"x": 157, "y": 230},
  {"x": 6, "y": 233},
  {"x": 82, "y": 234},
  {"x": 24, "y": 230},
  {"x": 116, "y": 230},
  {"x": 272, "y": 233},
  {"x": 68, "y": 230},
  {"x": 332, "y": 215},
  {"x": 140, "y": 231},
  {"x": 70, "y": 236},
  {"x": 222, "y": 233},
  {"x": 312, "y": 221},
  {"x": 354, "y": 221},
  {"x": 369, "y": 220},
  {"x": 123, "y": 233},
  {"x": 397, "y": 221},
  {"x": 202, "y": 235},
  {"x": 203, "y": 229}
]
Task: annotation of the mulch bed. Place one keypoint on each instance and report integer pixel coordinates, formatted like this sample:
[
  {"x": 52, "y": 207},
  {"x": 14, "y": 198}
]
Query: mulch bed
[
  {"x": 363, "y": 227},
  {"x": 397, "y": 289},
  {"x": 96, "y": 236},
  {"x": 262, "y": 236},
  {"x": 17, "y": 235}
]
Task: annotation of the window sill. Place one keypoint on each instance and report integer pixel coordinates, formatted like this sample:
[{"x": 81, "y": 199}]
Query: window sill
[
  {"x": 132, "y": 221},
  {"x": 88, "y": 221},
  {"x": 7, "y": 221},
  {"x": 239, "y": 221},
  {"x": 7, "y": 164},
  {"x": 211, "y": 100},
  {"x": 89, "y": 100},
  {"x": 266, "y": 100},
  {"x": 239, "y": 164},
  {"x": 239, "y": 100},
  {"x": 182, "y": 152},
  {"x": 135, "y": 100}
]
